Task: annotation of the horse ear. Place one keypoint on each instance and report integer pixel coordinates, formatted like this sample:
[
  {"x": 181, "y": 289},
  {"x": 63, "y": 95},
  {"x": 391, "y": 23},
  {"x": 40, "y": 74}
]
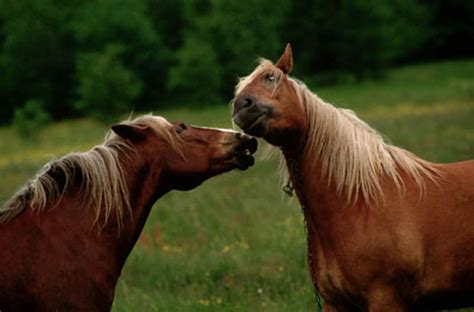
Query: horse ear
[
  {"x": 134, "y": 133},
  {"x": 285, "y": 63}
]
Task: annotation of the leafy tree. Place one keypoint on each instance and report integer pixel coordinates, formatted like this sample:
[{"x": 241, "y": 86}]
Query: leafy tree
[
  {"x": 36, "y": 59},
  {"x": 355, "y": 37},
  {"x": 125, "y": 22},
  {"x": 106, "y": 87},
  {"x": 169, "y": 21},
  {"x": 197, "y": 78},
  {"x": 223, "y": 42}
]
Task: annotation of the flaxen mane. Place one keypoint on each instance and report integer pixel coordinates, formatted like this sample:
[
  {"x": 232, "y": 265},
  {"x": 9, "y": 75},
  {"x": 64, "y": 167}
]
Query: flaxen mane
[
  {"x": 101, "y": 175},
  {"x": 353, "y": 155}
]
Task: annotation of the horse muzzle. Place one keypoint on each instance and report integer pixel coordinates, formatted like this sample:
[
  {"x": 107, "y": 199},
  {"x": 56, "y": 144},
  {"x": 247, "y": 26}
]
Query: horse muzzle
[
  {"x": 250, "y": 115},
  {"x": 244, "y": 150}
]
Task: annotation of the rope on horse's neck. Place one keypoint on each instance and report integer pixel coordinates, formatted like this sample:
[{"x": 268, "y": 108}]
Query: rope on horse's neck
[{"x": 289, "y": 188}]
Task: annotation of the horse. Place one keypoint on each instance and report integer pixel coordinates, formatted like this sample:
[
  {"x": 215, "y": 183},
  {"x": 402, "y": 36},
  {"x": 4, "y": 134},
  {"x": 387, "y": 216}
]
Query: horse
[
  {"x": 386, "y": 230},
  {"x": 66, "y": 234}
]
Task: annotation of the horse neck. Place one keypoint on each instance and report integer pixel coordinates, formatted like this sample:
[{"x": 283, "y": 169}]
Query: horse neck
[
  {"x": 308, "y": 165},
  {"x": 320, "y": 200},
  {"x": 145, "y": 188},
  {"x": 113, "y": 243}
]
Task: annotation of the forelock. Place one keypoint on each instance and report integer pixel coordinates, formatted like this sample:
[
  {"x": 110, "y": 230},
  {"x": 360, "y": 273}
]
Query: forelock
[{"x": 264, "y": 65}]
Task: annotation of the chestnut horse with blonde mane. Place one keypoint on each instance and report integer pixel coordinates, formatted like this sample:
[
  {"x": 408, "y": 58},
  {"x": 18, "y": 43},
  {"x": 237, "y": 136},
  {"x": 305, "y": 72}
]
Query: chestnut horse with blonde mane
[
  {"x": 66, "y": 234},
  {"x": 387, "y": 230}
]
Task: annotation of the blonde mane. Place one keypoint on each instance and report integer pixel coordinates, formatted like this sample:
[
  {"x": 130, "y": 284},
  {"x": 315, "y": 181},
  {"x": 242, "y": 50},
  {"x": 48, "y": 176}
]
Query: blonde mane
[
  {"x": 352, "y": 155},
  {"x": 103, "y": 183}
]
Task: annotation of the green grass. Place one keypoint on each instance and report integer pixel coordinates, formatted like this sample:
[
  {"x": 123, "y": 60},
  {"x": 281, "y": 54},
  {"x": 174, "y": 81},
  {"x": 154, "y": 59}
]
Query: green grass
[{"x": 236, "y": 243}]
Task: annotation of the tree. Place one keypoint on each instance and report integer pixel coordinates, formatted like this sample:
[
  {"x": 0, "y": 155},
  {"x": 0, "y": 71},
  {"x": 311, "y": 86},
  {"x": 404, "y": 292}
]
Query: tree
[
  {"x": 106, "y": 88},
  {"x": 232, "y": 37},
  {"x": 354, "y": 37},
  {"x": 125, "y": 23},
  {"x": 197, "y": 77},
  {"x": 36, "y": 59}
]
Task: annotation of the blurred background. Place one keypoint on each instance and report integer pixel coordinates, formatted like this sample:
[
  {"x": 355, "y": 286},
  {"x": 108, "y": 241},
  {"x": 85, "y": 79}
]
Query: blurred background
[
  {"x": 69, "y": 69},
  {"x": 105, "y": 58}
]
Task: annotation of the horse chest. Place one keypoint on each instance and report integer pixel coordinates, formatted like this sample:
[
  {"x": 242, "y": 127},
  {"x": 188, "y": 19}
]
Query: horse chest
[{"x": 328, "y": 274}]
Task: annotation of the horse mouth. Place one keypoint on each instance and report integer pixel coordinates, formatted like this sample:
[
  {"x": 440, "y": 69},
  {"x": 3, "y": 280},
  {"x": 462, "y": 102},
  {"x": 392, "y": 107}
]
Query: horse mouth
[
  {"x": 243, "y": 154},
  {"x": 256, "y": 127}
]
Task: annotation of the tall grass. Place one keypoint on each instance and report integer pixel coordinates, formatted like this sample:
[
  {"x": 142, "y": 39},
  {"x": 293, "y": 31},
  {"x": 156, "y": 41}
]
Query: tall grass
[{"x": 237, "y": 243}]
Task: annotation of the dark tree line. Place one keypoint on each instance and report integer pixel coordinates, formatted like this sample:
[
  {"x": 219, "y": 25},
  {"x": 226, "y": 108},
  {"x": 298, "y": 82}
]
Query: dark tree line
[{"x": 106, "y": 57}]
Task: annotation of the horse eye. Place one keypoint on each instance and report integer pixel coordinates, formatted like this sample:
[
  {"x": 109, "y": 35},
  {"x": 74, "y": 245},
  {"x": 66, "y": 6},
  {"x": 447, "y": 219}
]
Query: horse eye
[
  {"x": 181, "y": 127},
  {"x": 270, "y": 77}
]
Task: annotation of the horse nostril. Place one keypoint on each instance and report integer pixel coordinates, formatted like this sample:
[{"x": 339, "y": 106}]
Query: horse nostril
[
  {"x": 253, "y": 144},
  {"x": 247, "y": 102},
  {"x": 246, "y": 144},
  {"x": 244, "y": 102}
]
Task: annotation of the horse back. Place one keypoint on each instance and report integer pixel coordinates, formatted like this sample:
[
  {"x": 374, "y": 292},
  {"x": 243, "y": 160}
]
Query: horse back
[{"x": 451, "y": 196}]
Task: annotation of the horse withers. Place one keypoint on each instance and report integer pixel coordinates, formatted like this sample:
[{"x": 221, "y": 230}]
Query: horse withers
[
  {"x": 387, "y": 230},
  {"x": 65, "y": 236}
]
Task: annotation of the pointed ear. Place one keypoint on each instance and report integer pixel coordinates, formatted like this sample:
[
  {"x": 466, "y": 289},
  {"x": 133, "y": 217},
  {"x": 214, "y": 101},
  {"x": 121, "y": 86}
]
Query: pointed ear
[
  {"x": 134, "y": 133},
  {"x": 285, "y": 63}
]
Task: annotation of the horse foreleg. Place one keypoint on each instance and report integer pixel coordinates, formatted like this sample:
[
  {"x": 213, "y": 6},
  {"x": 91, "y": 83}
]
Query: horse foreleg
[
  {"x": 385, "y": 300},
  {"x": 330, "y": 308},
  {"x": 340, "y": 308}
]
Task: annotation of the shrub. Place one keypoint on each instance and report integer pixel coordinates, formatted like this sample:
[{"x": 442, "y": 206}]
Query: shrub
[{"x": 30, "y": 119}]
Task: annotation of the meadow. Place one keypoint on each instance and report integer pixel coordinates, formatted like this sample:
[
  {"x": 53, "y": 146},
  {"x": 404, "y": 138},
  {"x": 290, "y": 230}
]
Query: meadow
[{"x": 237, "y": 243}]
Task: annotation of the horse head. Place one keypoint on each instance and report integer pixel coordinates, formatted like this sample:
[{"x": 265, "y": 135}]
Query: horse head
[
  {"x": 267, "y": 105},
  {"x": 187, "y": 155}
]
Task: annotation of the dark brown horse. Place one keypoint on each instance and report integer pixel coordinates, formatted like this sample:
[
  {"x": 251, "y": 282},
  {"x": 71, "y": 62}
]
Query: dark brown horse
[
  {"x": 65, "y": 236},
  {"x": 387, "y": 231}
]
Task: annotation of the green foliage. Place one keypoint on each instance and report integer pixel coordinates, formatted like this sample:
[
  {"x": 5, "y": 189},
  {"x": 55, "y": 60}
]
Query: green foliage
[
  {"x": 354, "y": 38},
  {"x": 36, "y": 56},
  {"x": 237, "y": 36},
  {"x": 197, "y": 77},
  {"x": 125, "y": 23},
  {"x": 106, "y": 86},
  {"x": 30, "y": 119},
  {"x": 97, "y": 23},
  {"x": 192, "y": 51}
]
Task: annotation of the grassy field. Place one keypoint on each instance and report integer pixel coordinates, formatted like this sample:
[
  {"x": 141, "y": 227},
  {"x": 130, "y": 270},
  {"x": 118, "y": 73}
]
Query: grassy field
[{"x": 237, "y": 243}]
